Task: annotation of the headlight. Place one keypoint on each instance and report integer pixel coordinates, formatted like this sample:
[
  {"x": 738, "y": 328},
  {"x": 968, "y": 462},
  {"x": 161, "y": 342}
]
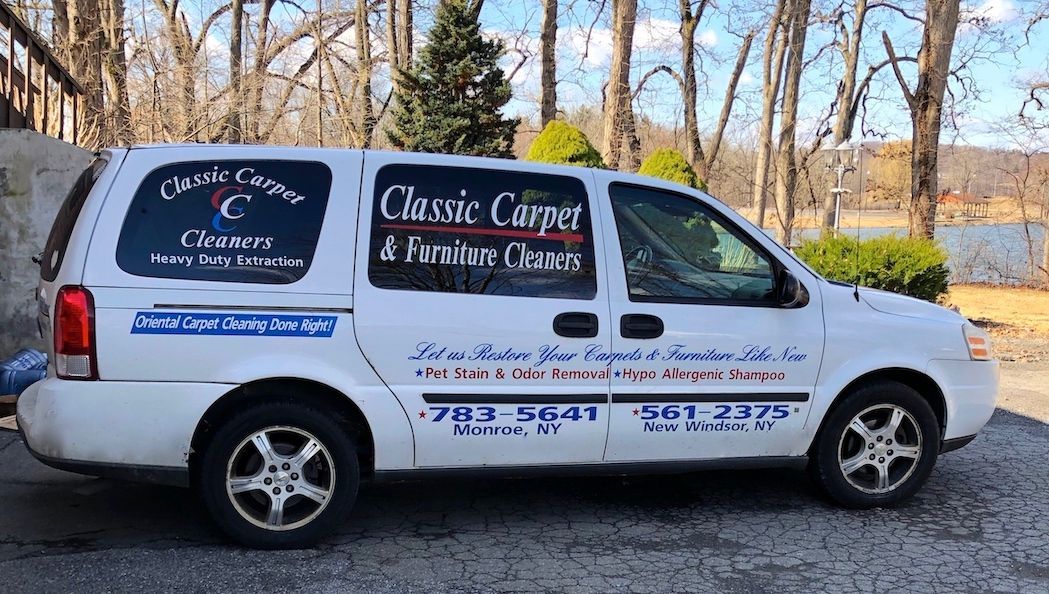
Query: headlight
[{"x": 979, "y": 343}]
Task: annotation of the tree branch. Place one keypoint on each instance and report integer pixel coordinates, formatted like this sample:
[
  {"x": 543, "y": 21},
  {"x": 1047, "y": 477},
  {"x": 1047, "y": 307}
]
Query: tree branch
[{"x": 907, "y": 94}]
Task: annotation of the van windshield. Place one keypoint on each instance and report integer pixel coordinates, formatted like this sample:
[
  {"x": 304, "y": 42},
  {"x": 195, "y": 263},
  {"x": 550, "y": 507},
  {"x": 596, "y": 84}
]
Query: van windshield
[{"x": 55, "y": 249}]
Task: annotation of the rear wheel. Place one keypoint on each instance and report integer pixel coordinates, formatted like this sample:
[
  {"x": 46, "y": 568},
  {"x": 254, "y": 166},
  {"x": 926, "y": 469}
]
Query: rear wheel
[
  {"x": 279, "y": 475},
  {"x": 877, "y": 447}
]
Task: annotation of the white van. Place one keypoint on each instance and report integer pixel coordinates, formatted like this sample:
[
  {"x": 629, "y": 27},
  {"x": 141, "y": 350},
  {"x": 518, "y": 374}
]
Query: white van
[{"x": 273, "y": 325}]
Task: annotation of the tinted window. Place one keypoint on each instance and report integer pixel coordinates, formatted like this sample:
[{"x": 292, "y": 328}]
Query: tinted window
[
  {"x": 58, "y": 239},
  {"x": 235, "y": 221},
  {"x": 481, "y": 231},
  {"x": 676, "y": 249}
]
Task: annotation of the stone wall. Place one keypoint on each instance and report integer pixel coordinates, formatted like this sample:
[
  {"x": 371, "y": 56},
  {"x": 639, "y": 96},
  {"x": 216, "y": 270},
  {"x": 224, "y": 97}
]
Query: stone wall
[{"x": 36, "y": 172}]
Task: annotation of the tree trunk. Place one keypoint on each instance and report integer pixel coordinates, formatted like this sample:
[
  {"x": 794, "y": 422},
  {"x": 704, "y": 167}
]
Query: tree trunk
[
  {"x": 711, "y": 155},
  {"x": 617, "y": 94},
  {"x": 392, "y": 51},
  {"x": 115, "y": 73},
  {"x": 786, "y": 162},
  {"x": 687, "y": 31},
  {"x": 259, "y": 69},
  {"x": 846, "y": 116},
  {"x": 404, "y": 33},
  {"x": 548, "y": 71},
  {"x": 772, "y": 67},
  {"x": 364, "y": 73},
  {"x": 236, "y": 48},
  {"x": 926, "y": 107},
  {"x": 1045, "y": 252}
]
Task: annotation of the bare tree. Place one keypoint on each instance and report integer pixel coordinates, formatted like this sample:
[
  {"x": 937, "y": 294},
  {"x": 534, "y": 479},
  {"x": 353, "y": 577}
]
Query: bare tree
[
  {"x": 364, "y": 74},
  {"x": 772, "y": 69},
  {"x": 786, "y": 159},
  {"x": 548, "y": 68},
  {"x": 236, "y": 48},
  {"x": 925, "y": 103},
  {"x": 702, "y": 161},
  {"x": 617, "y": 93},
  {"x": 114, "y": 72}
]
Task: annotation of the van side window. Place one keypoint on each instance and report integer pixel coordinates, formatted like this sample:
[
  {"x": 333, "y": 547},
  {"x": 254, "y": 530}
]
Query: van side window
[
  {"x": 62, "y": 229},
  {"x": 231, "y": 221},
  {"x": 675, "y": 249},
  {"x": 459, "y": 230}
]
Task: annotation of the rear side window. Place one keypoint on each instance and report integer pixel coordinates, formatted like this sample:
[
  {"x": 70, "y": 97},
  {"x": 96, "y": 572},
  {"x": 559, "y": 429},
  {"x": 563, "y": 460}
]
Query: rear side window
[
  {"x": 230, "y": 221},
  {"x": 58, "y": 239},
  {"x": 481, "y": 231}
]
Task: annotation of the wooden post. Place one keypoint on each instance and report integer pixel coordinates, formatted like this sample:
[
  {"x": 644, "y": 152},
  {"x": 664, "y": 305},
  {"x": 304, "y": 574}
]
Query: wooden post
[
  {"x": 10, "y": 73},
  {"x": 43, "y": 93},
  {"x": 61, "y": 104},
  {"x": 74, "y": 95},
  {"x": 27, "y": 78}
]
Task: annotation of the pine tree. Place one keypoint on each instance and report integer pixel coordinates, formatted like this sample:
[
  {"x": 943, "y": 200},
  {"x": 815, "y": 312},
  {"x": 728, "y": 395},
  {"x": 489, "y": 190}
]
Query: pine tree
[{"x": 450, "y": 101}]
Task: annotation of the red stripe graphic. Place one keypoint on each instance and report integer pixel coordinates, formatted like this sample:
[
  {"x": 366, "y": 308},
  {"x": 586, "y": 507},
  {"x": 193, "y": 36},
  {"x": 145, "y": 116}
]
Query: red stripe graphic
[{"x": 575, "y": 237}]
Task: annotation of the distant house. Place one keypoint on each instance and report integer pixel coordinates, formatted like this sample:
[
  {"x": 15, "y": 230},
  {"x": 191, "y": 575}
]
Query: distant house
[{"x": 969, "y": 205}]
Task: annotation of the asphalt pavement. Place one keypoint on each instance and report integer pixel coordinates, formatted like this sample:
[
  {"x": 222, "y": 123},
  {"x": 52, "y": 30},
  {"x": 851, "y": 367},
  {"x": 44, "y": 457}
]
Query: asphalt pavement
[{"x": 980, "y": 524}]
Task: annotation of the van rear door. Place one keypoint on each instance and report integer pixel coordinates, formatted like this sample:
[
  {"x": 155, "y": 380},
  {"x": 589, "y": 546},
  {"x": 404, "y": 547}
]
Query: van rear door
[{"x": 62, "y": 258}]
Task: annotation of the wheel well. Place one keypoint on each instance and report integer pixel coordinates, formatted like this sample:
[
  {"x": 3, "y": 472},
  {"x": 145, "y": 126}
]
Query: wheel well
[
  {"x": 318, "y": 394},
  {"x": 921, "y": 383}
]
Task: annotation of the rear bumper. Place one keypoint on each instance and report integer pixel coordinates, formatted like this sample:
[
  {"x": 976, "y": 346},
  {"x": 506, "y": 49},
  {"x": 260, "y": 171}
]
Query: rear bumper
[
  {"x": 131, "y": 430},
  {"x": 160, "y": 475}
]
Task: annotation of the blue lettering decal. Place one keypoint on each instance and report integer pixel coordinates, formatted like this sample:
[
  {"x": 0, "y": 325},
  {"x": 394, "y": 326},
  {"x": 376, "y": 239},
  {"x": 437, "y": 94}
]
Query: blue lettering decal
[{"x": 225, "y": 324}]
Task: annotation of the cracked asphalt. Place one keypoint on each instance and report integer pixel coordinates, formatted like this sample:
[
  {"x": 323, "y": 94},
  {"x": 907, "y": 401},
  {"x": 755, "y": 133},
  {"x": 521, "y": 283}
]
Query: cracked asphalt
[{"x": 980, "y": 524}]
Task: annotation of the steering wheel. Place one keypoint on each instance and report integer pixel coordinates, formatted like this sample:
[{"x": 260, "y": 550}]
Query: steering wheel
[{"x": 638, "y": 260}]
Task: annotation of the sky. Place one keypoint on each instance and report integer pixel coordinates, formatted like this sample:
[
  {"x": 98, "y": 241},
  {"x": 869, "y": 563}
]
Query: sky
[{"x": 1004, "y": 61}]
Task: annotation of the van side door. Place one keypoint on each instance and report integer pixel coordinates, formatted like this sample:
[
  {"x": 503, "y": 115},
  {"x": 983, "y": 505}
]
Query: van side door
[
  {"x": 478, "y": 292},
  {"x": 713, "y": 366}
]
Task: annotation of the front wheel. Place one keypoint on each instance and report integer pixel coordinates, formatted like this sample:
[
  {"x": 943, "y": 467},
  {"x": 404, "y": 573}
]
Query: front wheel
[
  {"x": 279, "y": 476},
  {"x": 877, "y": 447}
]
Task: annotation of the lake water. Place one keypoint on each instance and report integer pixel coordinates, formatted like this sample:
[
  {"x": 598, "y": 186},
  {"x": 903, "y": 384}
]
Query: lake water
[{"x": 977, "y": 253}]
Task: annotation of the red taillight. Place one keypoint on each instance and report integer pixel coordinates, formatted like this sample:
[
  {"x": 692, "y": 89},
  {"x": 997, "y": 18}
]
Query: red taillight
[{"x": 75, "y": 334}]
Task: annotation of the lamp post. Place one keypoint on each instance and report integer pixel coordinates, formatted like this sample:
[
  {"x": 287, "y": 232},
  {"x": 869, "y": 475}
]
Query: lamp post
[{"x": 844, "y": 155}]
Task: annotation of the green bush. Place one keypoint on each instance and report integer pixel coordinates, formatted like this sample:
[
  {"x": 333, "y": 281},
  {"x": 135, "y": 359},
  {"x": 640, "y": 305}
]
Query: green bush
[
  {"x": 915, "y": 267},
  {"x": 561, "y": 143},
  {"x": 671, "y": 165}
]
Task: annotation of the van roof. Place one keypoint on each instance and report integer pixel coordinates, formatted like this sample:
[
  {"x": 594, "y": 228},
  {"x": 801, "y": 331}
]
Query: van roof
[{"x": 607, "y": 174}]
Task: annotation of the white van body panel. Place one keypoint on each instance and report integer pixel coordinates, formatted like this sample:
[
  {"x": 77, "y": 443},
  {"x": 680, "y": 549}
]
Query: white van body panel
[
  {"x": 755, "y": 395},
  {"x": 155, "y": 388},
  {"x": 409, "y": 336}
]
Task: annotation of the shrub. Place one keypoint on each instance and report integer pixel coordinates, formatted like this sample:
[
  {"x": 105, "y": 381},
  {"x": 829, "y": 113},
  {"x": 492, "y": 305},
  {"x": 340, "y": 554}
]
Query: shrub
[
  {"x": 671, "y": 165},
  {"x": 561, "y": 143},
  {"x": 915, "y": 267}
]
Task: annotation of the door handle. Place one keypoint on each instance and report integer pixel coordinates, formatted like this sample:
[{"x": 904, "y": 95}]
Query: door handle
[
  {"x": 640, "y": 326},
  {"x": 576, "y": 324}
]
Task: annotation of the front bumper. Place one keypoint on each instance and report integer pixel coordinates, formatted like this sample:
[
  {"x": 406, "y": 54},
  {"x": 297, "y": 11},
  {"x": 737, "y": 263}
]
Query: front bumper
[
  {"x": 970, "y": 391},
  {"x": 132, "y": 430}
]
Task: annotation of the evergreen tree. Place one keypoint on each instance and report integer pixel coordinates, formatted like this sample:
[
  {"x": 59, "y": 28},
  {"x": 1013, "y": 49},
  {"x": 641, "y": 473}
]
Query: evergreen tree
[{"x": 450, "y": 101}]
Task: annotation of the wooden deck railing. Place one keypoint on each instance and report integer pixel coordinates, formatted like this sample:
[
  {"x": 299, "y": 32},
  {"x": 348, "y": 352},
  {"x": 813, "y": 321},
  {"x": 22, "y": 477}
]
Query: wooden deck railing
[{"x": 38, "y": 93}]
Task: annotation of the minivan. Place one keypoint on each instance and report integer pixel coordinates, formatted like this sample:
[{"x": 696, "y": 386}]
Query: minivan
[{"x": 272, "y": 326}]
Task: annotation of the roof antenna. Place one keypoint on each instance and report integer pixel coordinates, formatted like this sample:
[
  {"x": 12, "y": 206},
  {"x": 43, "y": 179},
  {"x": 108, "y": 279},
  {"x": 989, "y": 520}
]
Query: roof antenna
[{"x": 859, "y": 213}]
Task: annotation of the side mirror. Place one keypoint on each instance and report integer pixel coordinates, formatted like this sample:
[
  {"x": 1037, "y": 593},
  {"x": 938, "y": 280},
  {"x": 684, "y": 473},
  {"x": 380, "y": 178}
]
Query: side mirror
[{"x": 790, "y": 292}]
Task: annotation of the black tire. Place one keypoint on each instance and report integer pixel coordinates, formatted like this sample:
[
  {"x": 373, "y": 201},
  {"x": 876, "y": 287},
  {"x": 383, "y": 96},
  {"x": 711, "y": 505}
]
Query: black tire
[
  {"x": 837, "y": 445},
  {"x": 244, "y": 516}
]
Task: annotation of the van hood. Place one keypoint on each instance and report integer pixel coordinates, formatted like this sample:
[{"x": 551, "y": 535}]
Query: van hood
[{"x": 902, "y": 305}]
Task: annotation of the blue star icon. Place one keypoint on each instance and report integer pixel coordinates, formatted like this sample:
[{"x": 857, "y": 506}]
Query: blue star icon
[
  {"x": 617, "y": 373},
  {"x": 418, "y": 373}
]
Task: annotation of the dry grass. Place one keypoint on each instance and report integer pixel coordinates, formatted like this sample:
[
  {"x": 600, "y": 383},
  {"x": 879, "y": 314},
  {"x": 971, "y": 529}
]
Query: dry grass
[
  {"x": 1017, "y": 318},
  {"x": 1018, "y": 307}
]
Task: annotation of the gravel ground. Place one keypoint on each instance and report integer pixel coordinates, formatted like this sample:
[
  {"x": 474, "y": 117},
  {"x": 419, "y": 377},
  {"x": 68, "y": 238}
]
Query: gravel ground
[{"x": 980, "y": 524}]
